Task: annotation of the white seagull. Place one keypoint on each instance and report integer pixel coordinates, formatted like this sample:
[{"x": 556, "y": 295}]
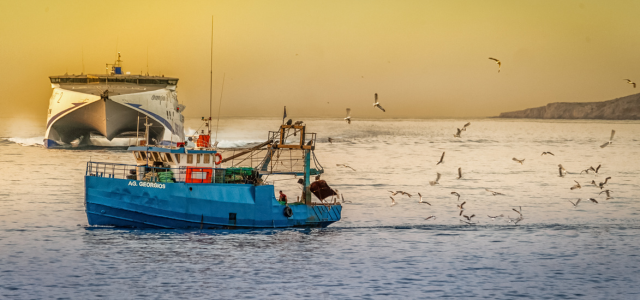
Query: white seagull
[
  {"x": 348, "y": 118},
  {"x": 493, "y": 193},
  {"x": 613, "y": 132},
  {"x": 377, "y": 104},
  {"x": 576, "y": 186},
  {"x": 575, "y": 204},
  {"x": 521, "y": 161},
  {"x": 464, "y": 128},
  {"x": 345, "y": 165},
  {"x": 422, "y": 201},
  {"x": 458, "y": 133},
  {"x": 441, "y": 159},
  {"x": 608, "y": 193},
  {"x": 631, "y": 82},
  {"x": 456, "y": 194},
  {"x": 393, "y": 201},
  {"x": 459, "y": 173},
  {"x": 432, "y": 183},
  {"x": 497, "y": 62}
]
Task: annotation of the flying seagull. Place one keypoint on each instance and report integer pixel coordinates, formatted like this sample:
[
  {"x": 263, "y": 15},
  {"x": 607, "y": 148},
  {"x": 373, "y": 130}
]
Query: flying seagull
[
  {"x": 441, "y": 159},
  {"x": 493, "y": 193},
  {"x": 459, "y": 173},
  {"x": 456, "y": 194},
  {"x": 561, "y": 170},
  {"x": 430, "y": 217},
  {"x": 377, "y": 104},
  {"x": 330, "y": 140},
  {"x": 613, "y": 132},
  {"x": 432, "y": 183},
  {"x": 601, "y": 185},
  {"x": 545, "y": 153},
  {"x": 422, "y": 201},
  {"x": 577, "y": 186},
  {"x": 393, "y": 201},
  {"x": 469, "y": 217},
  {"x": 587, "y": 170},
  {"x": 460, "y": 206},
  {"x": 598, "y": 169},
  {"x": 494, "y": 217},
  {"x": 593, "y": 200},
  {"x": 498, "y": 62},
  {"x": 518, "y": 211},
  {"x": 575, "y": 204},
  {"x": 345, "y": 165},
  {"x": 631, "y": 82},
  {"x": 464, "y": 128},
  {"x": 348, "y": 118},
  {"x": 608, "y": 193},
  {"x": 458, "y": 133},
  {"x": 521, "y": 161}
]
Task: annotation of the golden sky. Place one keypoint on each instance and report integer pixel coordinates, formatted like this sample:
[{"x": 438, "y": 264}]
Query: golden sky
[{"x": 425, "y": 59}]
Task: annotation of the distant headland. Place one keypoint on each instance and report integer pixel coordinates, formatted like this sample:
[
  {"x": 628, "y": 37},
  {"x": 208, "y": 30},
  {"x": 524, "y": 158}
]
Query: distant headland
[{"x": 625, "y": 108}]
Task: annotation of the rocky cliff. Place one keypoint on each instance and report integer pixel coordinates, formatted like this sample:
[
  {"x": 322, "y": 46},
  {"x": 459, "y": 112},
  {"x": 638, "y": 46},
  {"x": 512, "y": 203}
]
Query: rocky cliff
[{"x": 625, "y": 108}]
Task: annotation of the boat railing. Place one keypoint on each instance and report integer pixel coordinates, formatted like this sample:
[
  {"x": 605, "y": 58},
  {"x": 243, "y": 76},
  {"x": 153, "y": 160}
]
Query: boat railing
[{"x": 181, "y": 174}]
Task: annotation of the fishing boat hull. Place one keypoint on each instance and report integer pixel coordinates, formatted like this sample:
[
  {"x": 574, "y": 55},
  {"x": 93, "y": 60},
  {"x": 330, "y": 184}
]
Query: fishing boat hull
[{"x": 141, "y": 204}]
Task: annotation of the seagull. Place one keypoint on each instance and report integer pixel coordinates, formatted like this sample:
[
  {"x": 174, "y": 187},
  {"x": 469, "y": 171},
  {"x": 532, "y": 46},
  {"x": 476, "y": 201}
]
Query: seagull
[
  {"x": 431, "y": 217},
  {"x": 377, "y": 104},
  {"x": 459, "y": 173},
  {"x": 577, "y": 186},
  {"x": 631, "y": 82},
  {"x": 587, "y": 170},
  {"x": 345, "y": 201},
  {"x": 493, "y": 193},
  {"x": 393, "y": 201},
  {"x": 494, "y": 218},
  {"x": 518, "y": 211},
  {"x": 601, "y": 185},
  {"x": 516, "y": 220},
  {"x": 458, "y": 133},
  {"x": 593, "y": 200},
  {"x": 575, "y": 204},
  {"x": 464, "y": 128},
  {"x": 289, "y": 122},
  {"x": 598, "y": 168},
  {"x": 348, "y": 118},
  {"x": 545, "y": 153},
  {"x": 613, "y": 132},
  {"x": 521, "y": 161},
  {"x": 432, "y": 183},
  {"x": 422, "y": 201},
  {"x": 298, "y": 123},
  {"x": 406, "y": 194},
  {"x": 498, "y": 62},
  {"x": 441, "y": 159},
  {"x": 469, "y": 217},
  {"x": 594, "y": 183},
  {"x": 456, "y": 194},
  {"x": 460, "y": 206},
  {"x": 608, "y": 193},
  {"x": 393, "y": 193},
  {"x": 345, "y": 165},
  {"x": 561, "y": 169},
  {"x": 330, "y": 140}
]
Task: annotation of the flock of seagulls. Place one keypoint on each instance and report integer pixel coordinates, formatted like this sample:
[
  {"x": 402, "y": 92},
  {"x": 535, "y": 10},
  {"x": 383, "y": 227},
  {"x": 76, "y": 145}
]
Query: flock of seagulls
[{"x": 469, "y": 218}]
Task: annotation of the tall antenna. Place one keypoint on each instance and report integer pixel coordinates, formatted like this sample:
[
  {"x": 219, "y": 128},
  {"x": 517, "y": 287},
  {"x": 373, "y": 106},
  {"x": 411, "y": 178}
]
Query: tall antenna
[
  {"x": 210, "y": 81},
  {"x": 147, "y": 60},
  {"x": 219, "y": 105}
]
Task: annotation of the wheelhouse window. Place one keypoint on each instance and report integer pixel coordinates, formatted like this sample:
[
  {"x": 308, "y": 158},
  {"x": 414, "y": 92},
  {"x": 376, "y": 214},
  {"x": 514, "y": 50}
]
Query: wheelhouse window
[
  {"x": 156, "y": 157},
  {"x": 168, "y": 156},
  {"x": 137, "y": 154},
  {"x": 207, "y": 158},
  {"x": 143, "y": 155},
  {"x": 190, "y": 158},
  {"x": 198, "y": 158},
  {"x": 163, "y": 157},
  {"x": 177, "y": 158}
]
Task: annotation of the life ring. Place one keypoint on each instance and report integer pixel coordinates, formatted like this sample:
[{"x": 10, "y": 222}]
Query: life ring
[
  {"x": 288, "y": 212},
  {"x": 218, "y": 155}
]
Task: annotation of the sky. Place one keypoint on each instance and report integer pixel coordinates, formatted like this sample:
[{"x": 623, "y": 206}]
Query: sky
[{"x": 425, "y": 59}]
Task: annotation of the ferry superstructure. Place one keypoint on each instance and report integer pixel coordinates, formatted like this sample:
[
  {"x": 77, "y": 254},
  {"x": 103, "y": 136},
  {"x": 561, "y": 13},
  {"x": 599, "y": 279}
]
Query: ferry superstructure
[{"x": 113, "y": 105}]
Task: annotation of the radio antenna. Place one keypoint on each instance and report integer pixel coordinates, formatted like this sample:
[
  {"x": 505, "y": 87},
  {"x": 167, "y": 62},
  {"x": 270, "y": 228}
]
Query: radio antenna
[
  {"x": 219, "y": 106},
  {"x": 210, "y": 83},
  {"x": 83, "y": 60},
  {"x": 147, "y": 60}
]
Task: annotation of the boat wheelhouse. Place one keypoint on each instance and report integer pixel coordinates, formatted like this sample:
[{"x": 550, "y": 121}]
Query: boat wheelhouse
[{"x": 177, "y": 187}]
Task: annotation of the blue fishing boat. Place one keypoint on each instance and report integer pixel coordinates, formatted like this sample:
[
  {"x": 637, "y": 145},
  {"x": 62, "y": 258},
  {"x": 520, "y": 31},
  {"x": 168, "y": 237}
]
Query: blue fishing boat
[{"x": 178, "y": 187}]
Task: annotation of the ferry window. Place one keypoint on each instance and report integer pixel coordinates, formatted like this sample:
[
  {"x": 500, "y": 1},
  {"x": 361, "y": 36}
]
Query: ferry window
[
  {"x": 163, "y": 157},
  {"x": 55, "y": 80},
  {"x": 137, "y": 154},
  {"x": 169, "y": 157},
  {"x": 189, "y": 158},
  {"x": 177, "y": 158},
  {"x": 198, "y": 158},
  {"x": 174, "y": 82},
  {"x": 156, "y": 156},
  {"x": 143, "y": 155},
  {"x": 206, "y": 158}
]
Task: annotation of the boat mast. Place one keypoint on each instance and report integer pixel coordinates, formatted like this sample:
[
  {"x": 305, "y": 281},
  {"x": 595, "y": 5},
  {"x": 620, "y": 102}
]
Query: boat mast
[{"x": 210, "y": 84}]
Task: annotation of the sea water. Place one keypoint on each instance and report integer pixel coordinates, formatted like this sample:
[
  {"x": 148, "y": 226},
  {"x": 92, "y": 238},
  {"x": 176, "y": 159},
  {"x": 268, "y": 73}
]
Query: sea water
[{"x": 47, "y": 249}]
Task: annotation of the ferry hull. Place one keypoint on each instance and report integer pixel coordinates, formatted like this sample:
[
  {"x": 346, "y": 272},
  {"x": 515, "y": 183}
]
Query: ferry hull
[{"x": 139, "y": 204}]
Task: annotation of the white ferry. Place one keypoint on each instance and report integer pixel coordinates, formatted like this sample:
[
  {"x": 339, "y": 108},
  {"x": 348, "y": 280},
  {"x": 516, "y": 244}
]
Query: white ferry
[{"x": 113, "y": 106}]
